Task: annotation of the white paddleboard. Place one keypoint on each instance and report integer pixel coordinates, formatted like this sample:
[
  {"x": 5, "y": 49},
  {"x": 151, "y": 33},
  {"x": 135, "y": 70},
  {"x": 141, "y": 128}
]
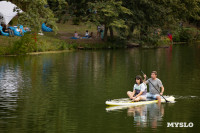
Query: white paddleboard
[{"x": 128, "y": 102}]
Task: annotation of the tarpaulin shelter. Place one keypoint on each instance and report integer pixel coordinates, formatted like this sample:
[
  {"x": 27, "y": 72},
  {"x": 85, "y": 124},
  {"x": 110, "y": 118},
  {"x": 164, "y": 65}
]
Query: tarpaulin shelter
[{"x": 8, "y": 11}]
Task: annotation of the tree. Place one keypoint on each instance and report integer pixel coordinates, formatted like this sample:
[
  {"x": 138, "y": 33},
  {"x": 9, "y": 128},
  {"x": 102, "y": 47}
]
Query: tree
[
  {"x": 59, "y": 8},
  {"x": 109, "y": 13},
  {"x": 35, "y": 13},
  {"x": 149, "y": 14}
]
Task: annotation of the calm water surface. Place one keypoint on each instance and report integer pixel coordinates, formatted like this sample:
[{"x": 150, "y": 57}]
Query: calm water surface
[{"x": 66, "y": 92}]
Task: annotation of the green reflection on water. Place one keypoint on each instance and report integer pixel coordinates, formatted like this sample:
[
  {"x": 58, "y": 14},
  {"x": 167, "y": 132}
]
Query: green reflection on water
[{"x": 66, "y": 92}]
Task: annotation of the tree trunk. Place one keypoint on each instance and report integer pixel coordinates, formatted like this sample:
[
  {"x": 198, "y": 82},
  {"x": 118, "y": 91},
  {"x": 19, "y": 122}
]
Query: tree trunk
[
  {"x": 131, "y": 29},
  {"x": 111, "y": 33},
  {"x": 105, "y": 33}
]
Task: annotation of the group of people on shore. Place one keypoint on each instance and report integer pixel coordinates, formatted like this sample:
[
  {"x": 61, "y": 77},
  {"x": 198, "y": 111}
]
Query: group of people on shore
[
  {"x": 140, "y": 88},
  {"x": 87, "y": 35},
  {"x": 7, "y": 29},
  {"x": 100, "y": 33}
]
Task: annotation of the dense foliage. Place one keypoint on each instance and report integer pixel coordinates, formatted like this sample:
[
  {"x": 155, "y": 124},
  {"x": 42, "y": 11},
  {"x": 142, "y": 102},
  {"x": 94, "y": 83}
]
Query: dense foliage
[{"x": 144, "y": 17}]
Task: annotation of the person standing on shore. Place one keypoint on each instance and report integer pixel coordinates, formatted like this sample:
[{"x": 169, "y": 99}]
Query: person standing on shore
[{"x": 98, "y": 31}]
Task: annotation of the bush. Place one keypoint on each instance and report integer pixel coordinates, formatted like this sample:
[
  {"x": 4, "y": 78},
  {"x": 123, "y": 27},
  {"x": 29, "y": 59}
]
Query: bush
[
  {"x": 25, "y": 45},
  {"x": 163, "y": 41},
  {"x": 150, "y": 39},
  {"x": 184, "y": 35},
  {"x": 176, "y": 36},
  {"x": 46, "y": 43},
  {"x": 6, "y": 50}
]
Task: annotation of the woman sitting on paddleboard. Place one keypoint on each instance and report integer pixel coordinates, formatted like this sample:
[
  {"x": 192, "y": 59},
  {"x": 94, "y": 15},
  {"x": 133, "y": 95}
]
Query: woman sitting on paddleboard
[{"x": 139, "y": 90}]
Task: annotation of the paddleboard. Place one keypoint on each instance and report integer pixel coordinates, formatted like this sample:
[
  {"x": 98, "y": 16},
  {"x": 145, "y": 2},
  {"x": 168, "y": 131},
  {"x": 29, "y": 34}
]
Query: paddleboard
[{"x": 128, "y": 102}]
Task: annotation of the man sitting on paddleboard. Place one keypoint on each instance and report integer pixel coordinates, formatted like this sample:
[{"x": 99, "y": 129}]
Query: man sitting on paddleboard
[
  {"x": 153, "y": 93},
  {"x": 139, "y": 90}
]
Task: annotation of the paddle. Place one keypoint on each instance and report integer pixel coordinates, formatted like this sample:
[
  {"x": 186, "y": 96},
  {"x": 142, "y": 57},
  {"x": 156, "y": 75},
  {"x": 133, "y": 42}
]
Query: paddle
[{"x": 155, "y": 87}]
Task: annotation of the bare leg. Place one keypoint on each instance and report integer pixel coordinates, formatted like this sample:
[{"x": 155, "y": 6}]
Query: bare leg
[
  {"x": 140, "y": 98},
  {"x": 130, "y": 94},
  {"x": 137, "y": 99},
  {"x": 159, "y": 99}
]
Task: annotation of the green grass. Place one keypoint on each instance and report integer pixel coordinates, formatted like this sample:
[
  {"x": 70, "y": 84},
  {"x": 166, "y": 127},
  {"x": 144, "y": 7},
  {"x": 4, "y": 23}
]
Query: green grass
[
  {"x": 68, "y": 27},
  {"x": 4, "y": 40},
  {"x": 54, "y": 42},
  {"x": 6, "y": 44}
]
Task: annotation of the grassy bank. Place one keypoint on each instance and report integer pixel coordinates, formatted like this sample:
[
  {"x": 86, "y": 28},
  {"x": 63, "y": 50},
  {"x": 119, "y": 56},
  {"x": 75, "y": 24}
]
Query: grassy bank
[
  {"x": 49, "y": 42},
  {"x": 26, "y": 44},
  {"x": 61, "y": 41},
  {"x": 30, "y": 43}
]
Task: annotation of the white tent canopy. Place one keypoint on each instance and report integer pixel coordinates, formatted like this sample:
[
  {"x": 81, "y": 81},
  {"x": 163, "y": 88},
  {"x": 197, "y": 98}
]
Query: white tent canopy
[{"x": 7, "y": 12}]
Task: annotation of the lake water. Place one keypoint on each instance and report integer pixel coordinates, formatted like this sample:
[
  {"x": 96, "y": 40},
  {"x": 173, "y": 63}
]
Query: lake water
[{"x": 66, "y": 92}]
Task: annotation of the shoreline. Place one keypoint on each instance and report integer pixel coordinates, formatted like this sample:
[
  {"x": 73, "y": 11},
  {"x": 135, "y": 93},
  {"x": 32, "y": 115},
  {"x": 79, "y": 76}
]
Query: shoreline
[
  {"x": 78, "y": 49},
  {"x": 39, "y": 53},
  {"x": 49, "y": 52},
  {"x": 103, "y": 46}
]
